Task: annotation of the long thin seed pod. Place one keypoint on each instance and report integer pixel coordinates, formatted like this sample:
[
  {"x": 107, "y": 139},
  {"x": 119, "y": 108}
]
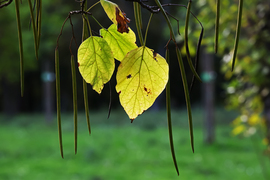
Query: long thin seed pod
[
  {"x": 86, "y": 106},
  {"x": 217, "y": 25},
  {"x": 58, "y": 100},
  {"x": 34, "y": 28},
  {"x": 110, "y": 103},
  {"x": 38, "y": 19},
  {"x": 75, "y": 107},
  {"x": 238, "y": 29},
  {"x": 185, "y": 84},
  {"x": 182, "y": 70},
  {"x": 20, "y": 45},
  {"x": 197, "y": 58},
  {"x": 186, "y": 43},
  {"x": 199, "y": 42},
  {"x": 85, "y": 35},
  {"x": 138, "y": 20},
  {"x": 168, "y": 106}
]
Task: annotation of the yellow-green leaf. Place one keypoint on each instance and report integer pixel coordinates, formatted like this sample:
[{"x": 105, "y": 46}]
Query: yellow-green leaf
[
  {"x": 110, "y": 9},
  {"x": 96, "y": 62},
  {"x": 141, "y": 77},
  {"x": 115, "y": 14},
  {"x": 120, "y": 43}
]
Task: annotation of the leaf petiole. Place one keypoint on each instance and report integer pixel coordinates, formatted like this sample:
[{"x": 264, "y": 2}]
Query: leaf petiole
[
  {"x": 97, "y": 22},
  {"x": 146, "y": 32},
  {"x": 92, "y": 6},
  {"x": 138, "y": 20}
]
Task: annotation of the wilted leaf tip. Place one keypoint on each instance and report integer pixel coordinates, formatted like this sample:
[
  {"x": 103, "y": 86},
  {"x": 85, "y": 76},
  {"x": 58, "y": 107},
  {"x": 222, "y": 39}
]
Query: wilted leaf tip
[{"x": 122, "y": 21}]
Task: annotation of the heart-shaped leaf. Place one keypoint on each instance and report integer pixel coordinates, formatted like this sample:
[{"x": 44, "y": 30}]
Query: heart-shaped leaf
[
  {"x": 120, "y": 43},
  {"x": 141, "y": 77},
  {"x": 96, "y": 62}
]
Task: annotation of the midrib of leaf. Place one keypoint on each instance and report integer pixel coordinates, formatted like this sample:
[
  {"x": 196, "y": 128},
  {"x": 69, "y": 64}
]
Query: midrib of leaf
[{"x": 116, "y": 40}]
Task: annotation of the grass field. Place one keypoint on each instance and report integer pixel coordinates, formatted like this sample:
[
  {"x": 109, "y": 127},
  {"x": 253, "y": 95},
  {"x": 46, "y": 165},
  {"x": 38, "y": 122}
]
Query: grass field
[{"x": 119, "y": 150}]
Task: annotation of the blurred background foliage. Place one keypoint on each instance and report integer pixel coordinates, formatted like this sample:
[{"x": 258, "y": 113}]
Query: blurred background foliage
[{"x": 245, "y": 90}]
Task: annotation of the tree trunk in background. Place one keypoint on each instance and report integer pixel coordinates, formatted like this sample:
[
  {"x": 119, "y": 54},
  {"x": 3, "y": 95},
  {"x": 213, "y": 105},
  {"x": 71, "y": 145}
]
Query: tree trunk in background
[
  {"x": 11, "y": 97},
  {"x": 208, "y": 90}
]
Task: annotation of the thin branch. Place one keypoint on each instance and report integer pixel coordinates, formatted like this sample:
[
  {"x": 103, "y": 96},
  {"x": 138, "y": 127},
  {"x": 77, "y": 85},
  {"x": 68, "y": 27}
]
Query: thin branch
[
  {"x": 5, "y": 4},
  {"x": 152, "y": 9}
]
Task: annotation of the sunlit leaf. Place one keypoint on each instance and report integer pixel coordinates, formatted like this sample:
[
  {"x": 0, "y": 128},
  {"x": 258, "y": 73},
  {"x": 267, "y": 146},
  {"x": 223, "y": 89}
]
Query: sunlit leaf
[
  {"x": 238, "y": 129},
  {"x": 96, "y": 62},
  {"x": 115, "y": 14},
  {"x": 141, "y": 77},
  {"x": 120, "y": 43}
]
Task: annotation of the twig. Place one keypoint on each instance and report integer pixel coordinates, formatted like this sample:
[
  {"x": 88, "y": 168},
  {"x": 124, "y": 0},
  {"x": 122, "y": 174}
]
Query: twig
[{"x": 6, "y": 4}]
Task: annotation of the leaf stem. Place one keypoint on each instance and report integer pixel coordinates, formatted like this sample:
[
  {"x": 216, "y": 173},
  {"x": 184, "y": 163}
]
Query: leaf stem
[
  {"x": 92, "y": 6},
  {"x": 97, "y": 22},
  {"x": 146, "y": 32},
  {"x": 89, "y": 27},
  {"x": 137, "y": 10}
]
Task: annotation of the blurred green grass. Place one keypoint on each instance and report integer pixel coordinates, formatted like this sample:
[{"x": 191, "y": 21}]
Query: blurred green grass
[{"x": 119, "y": 150}]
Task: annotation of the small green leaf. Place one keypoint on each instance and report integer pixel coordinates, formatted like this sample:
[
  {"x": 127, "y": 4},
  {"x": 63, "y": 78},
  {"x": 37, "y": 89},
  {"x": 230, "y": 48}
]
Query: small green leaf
[
  {"x": 141, "y": 77},
  {"x": 96, "y": 62},
  {"x": 120, "y": 43}
]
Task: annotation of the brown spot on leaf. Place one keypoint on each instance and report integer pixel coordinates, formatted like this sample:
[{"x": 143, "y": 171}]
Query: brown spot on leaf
[
  {"x": 155, "y": 55},
  {"x": 121, "y": 21},
  {"x": 145, "y": 89},
  {"x": 148, "y": 91},
  {"x": 129, "y": 76},
  {"x": 78, "y": 64},
  {"x": 119, "y": 92}
]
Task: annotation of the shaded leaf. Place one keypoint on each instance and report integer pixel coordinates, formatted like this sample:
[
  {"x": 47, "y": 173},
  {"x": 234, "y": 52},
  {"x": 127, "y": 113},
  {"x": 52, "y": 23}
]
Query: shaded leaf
[
  {"x": 96, "y": 62},
  {"x": 141, "y": 77},
  {"x": 115, "y": 14},
  {"x": 120, "y": 43}
]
